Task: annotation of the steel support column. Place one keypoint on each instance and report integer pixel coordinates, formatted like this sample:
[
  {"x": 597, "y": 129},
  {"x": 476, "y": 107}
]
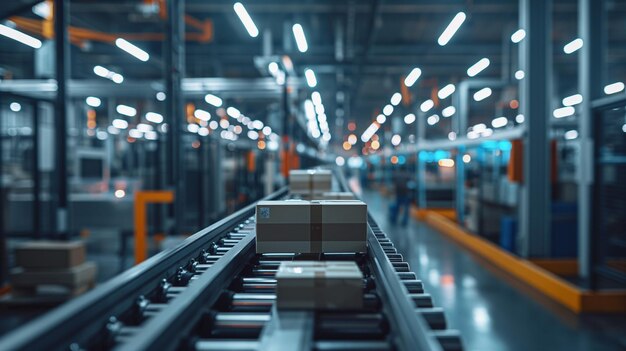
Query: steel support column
[
  {"x": 591, "y": 65},
  {"x": 536, "y": 61},
  {"x": 62, "y": 48},
  {"x": 174, "y": 72},
  {"x": 459, "y": 126},
  {"x": 36, "y": 174}
]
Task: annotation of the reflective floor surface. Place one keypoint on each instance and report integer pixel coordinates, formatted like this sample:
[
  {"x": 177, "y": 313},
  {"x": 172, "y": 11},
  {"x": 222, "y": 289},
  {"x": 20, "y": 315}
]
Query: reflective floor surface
[{"x": 492, "y": 311}]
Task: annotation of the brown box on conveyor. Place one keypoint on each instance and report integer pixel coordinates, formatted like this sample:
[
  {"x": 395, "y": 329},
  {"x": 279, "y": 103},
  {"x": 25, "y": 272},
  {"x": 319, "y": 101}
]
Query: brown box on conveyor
[
  {"x": 308, "y": 182},
  {"x": 300, "y": 226},
  {"x": 50, "y": 254},
  {"x": 334, "y": 285}
]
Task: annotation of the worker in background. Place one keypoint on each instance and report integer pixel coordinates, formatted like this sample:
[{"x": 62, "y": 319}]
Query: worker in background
[{"x": 404, "y": 189}]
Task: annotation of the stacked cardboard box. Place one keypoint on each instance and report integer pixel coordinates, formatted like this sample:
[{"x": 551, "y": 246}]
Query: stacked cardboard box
[
  {"x": 51, "y": 263},
  {"x": 311, "y": 226},
  {"x": 319, "y": 285},
  {"x": 310, "y": 183}
]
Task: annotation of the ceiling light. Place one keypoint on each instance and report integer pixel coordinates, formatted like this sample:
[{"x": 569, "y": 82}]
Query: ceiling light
[
  {"x": 319, "y": 109},
  {"x": 396, "y": 98},
  {"x": 410, "y": 118},
  {"x": 388, "y": 110},
  {"x": 233, "y": 112},
  {"x": 381, "y": 118},
  {"x": 446, "y": 91},
  {"x": 448, "y": 111},
  {"x": 134, "y": 133},
  {"x": 499, "y": 122},
  {"x": 19, "y": 36},
  {"x": 193, "y": 128},
  {"x": 614, "y": 88},
  {"x": 570, "y": 135},
  {"x": 432, "y": 120},
  {"x": 352, "y": 139},
  {"x": 101, "y": 71},
  {"x": 309, "y": 109},
  {"x": 117, "y": 78},
  {"x": 446, "y": 162},
  {"x": 266, "y": 130},
  {"x": 396, "y": 139},
  {"x": 132, "y": 49},
  {"x": 427, "y": 105},
  {"x": 316, "y": 98},
  {"x": 452, "y": 136},
  {"x": 202, "y": 115},
  {"x": 563, "y": 112},
  {"x": 310, "y": 78},
  {"x": 93, "y": 101},
  {"x": 340, "y": 161},
  {"x": 245, "y": 18},
  {"x": 272, "y": 68},
  {"x": 119, "y": 123},
  {"x": 42, "y": 9},
  {"x": 573, "y": 46},
  {"x": 519, "y": 74},
  {"x": 142, "y": 127},
  {"x": 298, "y": 33},
  {"x": 15, "y": 107},
  {"x": 482, "y": 94},
  {"x": 154, "y": 117},
  {"x": 126, "y": 110},
  {"x": 573, "y": 100},
  {"x": 519, "y": 118},
  {"x": 518, "y": 36},
  {"x": 478, "y": 67},
  {"x": 160, "y": 96},
  {"x": 412, "y": 77},
  {"x": 213, "y": 100},
  {"x": 454, "y": 25}
]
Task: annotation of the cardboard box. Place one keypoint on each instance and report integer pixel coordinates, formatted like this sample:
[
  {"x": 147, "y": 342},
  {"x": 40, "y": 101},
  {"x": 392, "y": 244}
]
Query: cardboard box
[
  {"x": 334, "y": 285},
  {"x": 81, "y": 275},
  {"x": 336, "y": 195},
  {"x": 310, "y": 181},
  {"x": 50, "y": 254},
  {"x": 300, "y": 226}
]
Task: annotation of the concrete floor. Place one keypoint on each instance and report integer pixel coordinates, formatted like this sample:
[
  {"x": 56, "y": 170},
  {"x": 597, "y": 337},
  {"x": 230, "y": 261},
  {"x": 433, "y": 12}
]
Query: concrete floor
[{"x": 492, "y": 311}]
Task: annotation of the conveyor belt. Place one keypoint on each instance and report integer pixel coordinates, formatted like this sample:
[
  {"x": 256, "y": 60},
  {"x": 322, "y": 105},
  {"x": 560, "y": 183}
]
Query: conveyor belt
[{"x": 214, "y": 293}]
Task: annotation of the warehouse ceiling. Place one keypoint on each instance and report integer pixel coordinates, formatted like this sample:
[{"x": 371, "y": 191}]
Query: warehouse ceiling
[{"x": 360, "y": 50}]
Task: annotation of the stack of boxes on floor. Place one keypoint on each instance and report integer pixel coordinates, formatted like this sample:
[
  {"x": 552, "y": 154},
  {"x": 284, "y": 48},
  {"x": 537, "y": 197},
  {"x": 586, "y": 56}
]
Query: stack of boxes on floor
[
  {"x": 313, "y": 227},
  {"x": 52, "y": 269}
]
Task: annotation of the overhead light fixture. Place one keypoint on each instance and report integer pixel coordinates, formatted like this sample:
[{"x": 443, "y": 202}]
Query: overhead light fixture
[
  {"x": 412, "y": 77},
  {"x": 154, "y": 117},
  {"x": 19, "y": 36},
  {"x": 93, "y": 101},
  {"x": 396, "y": 139},
  {"x": 134, "y": 133},
  {"x": 245, "y": 18},
  {"x": 316, "y": 98},
  {"x": 614, "y": 88},
  {"x": 482, "y": 94},
  {"x": 272, "y": 67},
  {"x": 388, "y": 110},
  {"x": 432, "y": 120},
  {"x": 454, "y": 25},
  {"x": 310, "y": 78},
  {"x": 298, "y": 33},
  {"x": 572, "y": 100},
  {"x": 452, "y": 136},
  {"x": 202, "y": 115},
  {"x": 410, "y": 118},
  {"x": 519, "y": 74},
  {"x": 381, "y": 118},
  {"x": 519, "y": 118},
  {"x": 564, "y": 112},
  {"x": 448, "y": 111},
  {"x": 119, "y": 123},
  {"x": 309, "y": 109},
  {"x": 478, "y": 67},
  {"x": 446, "y": 91},
  {"x": 518, "y": 36},
  {"x": 213, "y": 100},
  {"x": 499, "y": 122},
  {"x": 142, "y": 127},
  {"x": 132, "y": 49},
  {"x": 160, "y": 96},
  {"x": 570, "y": 135},
  {"x": 573, "y": 46},
  {"x": 233, "y": 112},
  {"x": 193, "y": 128},
  {"x": 15, "y": 107},
  {"x": 42, "y": 9},
  {"x": 126, "y": 110},
  {"x": 396, "y": 98},
  {"x": 427, "y": 105},
  {"x": 105, "y": 73}
]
